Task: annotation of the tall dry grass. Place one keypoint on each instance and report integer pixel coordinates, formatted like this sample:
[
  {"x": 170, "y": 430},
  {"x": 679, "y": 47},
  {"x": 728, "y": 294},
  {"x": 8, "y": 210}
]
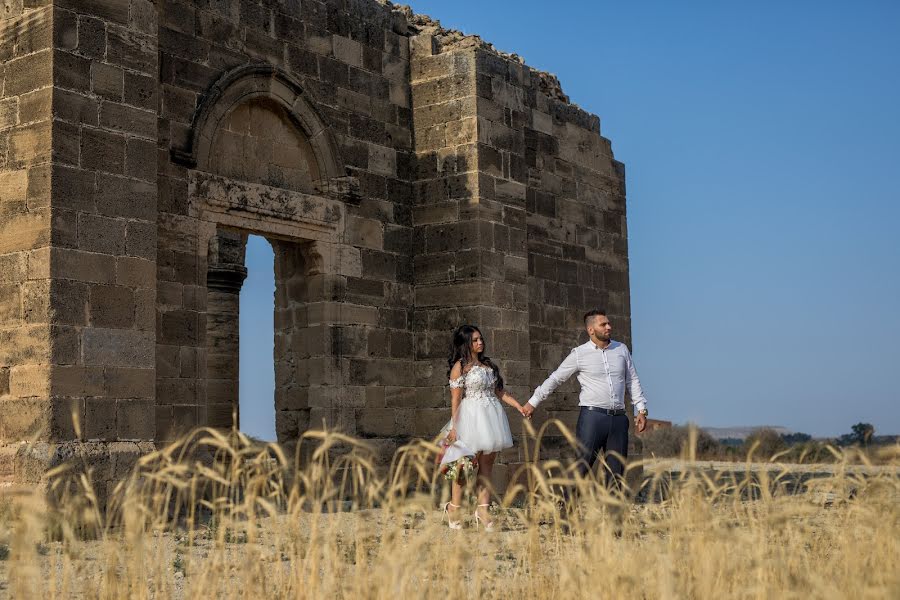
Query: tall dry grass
[{"x": 218, "y": 516}]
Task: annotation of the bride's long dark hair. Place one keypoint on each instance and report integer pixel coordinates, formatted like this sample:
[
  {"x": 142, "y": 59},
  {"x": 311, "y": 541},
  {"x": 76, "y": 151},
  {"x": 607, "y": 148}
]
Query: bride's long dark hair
[{"x": 461, "y": 350}]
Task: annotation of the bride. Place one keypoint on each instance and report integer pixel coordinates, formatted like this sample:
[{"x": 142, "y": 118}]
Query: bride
[{"x": 477, "y": 423}]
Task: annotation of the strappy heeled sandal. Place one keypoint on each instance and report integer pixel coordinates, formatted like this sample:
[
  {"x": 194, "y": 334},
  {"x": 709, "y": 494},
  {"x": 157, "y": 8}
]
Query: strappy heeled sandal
[
  {"x": 488, "y": 525},
  {"x": 450, "y": 522}
]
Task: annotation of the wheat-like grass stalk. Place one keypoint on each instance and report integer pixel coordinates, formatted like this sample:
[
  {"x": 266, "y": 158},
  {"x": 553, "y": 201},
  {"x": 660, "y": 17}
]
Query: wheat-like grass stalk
[{"x": 217, "y": 515}]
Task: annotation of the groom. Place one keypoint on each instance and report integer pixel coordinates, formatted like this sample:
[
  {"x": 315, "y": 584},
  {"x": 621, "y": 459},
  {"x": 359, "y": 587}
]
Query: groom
[{"x": 604, "y": 369}]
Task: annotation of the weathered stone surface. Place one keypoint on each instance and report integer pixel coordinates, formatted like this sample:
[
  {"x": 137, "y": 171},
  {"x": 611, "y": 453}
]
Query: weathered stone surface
[{"x": 408, "y": 179}]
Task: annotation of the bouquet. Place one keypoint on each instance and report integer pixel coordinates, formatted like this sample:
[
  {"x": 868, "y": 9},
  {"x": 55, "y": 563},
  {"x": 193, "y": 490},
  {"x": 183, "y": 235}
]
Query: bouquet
[
  {"x": 460, "y": 469},
  {"x": 456, "y": 461}
]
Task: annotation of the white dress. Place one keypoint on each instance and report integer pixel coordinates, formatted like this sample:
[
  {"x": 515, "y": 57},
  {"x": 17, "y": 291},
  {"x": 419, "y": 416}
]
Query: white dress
[{"x": 481, "y": 423}]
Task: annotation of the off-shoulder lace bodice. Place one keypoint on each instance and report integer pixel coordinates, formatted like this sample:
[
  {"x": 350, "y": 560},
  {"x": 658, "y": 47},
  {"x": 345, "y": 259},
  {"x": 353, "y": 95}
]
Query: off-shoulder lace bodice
[{"x": 480, "y": 385}]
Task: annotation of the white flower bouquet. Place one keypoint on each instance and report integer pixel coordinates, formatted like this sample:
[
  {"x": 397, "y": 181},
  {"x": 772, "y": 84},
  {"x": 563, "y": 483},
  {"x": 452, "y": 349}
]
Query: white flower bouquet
[{"x": 457, "y": 463}]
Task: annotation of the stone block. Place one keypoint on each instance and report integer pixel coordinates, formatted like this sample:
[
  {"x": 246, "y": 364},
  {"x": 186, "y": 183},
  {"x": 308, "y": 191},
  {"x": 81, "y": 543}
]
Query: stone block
[
  {"x": 118, "y": 348},
  {"x": 36, "y": 298},
  {"x": 135, "y": 419},
  {"x": 110, "y": 10},
  {"x": 131, "y": 49},
  {"x": 9, "y": 112},
  {"x": 29, "y": 73},
  {"x": 140, "y": 239},
  {"x": 73, "y": 188},
  {"x": 100, "y": 419},
  {"x": 29, "y": 145},
  {"x": 91, "y": 37},
  {"x": 11, "y": 309},
  {"x": 73, "y": 380},
  {"x": 73, "y": 107},
  {"x": 4, "y": 381},
  {"x": 377, "y": 422},
  {"x": 24, "y": 419},
  {"x": 24, "y": 230},
  {"x": 123, "y": 197},
  {"x": 111, "y": 306},
  {"x": 25, "y": 344},
  {"x": 135, "y": 272},
  {"x": 427, "y": 422},
  {"x": 220, "y": 415},
  {"x": 65, "y": 345},
  {"x": 13, "y": 185},
  {"x": 71, "y": 72},
  {"x": 186, "y": 417},
  {"x": 29, "y": 381},
  {"x": 367, "y": 233},
  {"x": 382, "y": 160},
  {"x": 107, "y": 81},
  {"x": 66, "y": 143},
  {"x": 102, "y": 150},
  {"x": 14, "y": 267},
  {"x": 347, "y": 50},
  {"x": 83, "y": 266},
  {"x": 178, "y": 327},
  {"x": 143, "y": 16},
  {"x": 133, "y": 121},
  {"x": 101, "y": 234},
  {"x": 140, "y": 159},
  {"x": 65, "y": 29},
  {"x": 436, "y": 91}
]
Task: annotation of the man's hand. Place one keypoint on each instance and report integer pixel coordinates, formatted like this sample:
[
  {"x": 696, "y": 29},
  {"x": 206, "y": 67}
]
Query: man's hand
[
  {"x": 640, "y": 422},
  {"x": 527, "y": 410}
]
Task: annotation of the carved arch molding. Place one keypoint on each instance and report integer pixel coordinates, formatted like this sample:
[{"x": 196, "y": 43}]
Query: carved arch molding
[{"x": 264, "y": 81}]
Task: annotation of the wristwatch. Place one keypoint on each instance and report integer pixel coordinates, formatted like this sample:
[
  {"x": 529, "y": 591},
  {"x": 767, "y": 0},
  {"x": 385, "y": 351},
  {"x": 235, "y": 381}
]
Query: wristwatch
[{"x": 644, "y": 412}]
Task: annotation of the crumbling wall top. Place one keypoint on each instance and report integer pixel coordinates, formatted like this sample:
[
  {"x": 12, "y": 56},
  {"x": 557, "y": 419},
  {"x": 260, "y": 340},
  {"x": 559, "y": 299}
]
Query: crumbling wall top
[{"x": 448, "y": 40}]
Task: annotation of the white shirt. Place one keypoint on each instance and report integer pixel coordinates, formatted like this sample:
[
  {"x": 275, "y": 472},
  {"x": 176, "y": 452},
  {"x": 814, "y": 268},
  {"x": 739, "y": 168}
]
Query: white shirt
[{"x": 603, "y": 373}]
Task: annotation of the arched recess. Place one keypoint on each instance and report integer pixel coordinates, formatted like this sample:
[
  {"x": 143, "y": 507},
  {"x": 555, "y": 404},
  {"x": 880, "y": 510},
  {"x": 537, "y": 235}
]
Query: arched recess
[
  {"x": 304, "y": 226},
  {"x": 266, "y": 82}
]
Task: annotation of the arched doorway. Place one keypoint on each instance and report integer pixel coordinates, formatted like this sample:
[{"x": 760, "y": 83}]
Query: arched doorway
[{"x": 264, "y": 164}]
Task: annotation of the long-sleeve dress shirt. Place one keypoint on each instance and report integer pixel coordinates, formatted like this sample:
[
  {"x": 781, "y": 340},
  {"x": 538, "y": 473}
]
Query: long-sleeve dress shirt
[{"x": 604, "y": 374}]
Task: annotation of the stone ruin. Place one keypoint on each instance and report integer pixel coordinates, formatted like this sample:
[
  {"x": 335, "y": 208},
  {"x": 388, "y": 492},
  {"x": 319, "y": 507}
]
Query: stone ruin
[{"x": 409, "y": 179}]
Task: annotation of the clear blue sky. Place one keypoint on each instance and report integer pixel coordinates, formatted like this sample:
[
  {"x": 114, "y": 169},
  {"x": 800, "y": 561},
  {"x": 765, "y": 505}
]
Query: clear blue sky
[{"x": 762, "y": 147}]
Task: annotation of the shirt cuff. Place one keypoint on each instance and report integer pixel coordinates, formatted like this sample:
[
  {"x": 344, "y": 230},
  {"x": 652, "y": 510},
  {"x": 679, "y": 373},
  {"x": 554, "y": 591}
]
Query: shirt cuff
[
  {"x": 639, "y": 406},
  {"x": 533, "y": 401}
]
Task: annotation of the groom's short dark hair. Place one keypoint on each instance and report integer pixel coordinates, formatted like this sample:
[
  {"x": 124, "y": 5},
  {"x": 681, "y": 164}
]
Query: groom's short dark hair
[{"x": 593, "y": 313}]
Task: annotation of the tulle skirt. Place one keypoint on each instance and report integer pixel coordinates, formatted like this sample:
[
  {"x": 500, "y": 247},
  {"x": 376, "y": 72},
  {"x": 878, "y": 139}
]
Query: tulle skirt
[{"x": 481, "y": 426}]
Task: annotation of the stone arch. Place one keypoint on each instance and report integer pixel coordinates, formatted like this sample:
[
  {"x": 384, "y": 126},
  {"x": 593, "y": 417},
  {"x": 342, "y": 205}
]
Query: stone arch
[{"x": 263, "y": 83}]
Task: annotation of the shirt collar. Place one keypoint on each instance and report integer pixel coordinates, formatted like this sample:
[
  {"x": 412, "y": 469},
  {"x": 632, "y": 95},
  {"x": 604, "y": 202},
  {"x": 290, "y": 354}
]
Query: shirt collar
[{"x": 612, "y": 344}]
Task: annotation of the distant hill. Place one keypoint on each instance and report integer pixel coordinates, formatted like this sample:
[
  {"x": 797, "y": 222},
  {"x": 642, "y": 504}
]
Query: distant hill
[{"x": 740, "y": 433}]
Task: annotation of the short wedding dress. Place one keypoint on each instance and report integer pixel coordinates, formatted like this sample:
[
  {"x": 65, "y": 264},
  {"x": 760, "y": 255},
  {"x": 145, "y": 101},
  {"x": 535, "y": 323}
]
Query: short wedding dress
[{"x": 481, "y": 423}]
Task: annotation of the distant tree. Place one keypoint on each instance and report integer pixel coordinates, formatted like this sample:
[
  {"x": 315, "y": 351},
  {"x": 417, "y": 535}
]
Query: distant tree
[
  {"x": 860, "y": 435},
  {"x": 770, "y": 442},
  {"x": 731, "y": 442},
  {"x": 795, "y": 438}
]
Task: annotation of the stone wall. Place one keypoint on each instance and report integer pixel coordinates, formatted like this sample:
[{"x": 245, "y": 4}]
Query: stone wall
[
  {"x": 79, "y": 88},
  {"x": 409, "y": 178},
  {"x": 26, "y": 79}
]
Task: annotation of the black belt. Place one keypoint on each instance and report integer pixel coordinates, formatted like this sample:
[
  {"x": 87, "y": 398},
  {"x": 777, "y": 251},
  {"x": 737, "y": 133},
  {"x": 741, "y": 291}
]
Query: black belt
[{"x": 613, "y": 412}]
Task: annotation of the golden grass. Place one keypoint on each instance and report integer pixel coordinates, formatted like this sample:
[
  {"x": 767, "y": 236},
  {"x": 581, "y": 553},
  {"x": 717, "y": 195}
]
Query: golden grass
[{"x": 250, "y": 522}]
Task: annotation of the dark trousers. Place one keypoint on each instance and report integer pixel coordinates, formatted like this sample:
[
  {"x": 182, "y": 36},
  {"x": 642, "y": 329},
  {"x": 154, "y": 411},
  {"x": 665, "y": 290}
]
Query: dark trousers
[{"x": 599, "y": 434}]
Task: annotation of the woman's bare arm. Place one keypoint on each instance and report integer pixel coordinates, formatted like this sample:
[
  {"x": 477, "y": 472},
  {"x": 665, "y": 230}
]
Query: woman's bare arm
[
  {"x": 507, "y": 398},
  {"x": 456, "y": 395}
]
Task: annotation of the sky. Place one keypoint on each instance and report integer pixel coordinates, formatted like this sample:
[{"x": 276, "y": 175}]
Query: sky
[{"x": 762, "y": 150}]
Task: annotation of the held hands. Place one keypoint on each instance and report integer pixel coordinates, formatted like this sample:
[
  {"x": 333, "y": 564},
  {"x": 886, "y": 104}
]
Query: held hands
[{"x": 527, "y": 410}]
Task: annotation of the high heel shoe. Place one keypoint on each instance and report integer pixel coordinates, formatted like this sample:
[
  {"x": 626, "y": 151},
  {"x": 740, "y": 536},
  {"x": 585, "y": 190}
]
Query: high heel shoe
[
  {"x": 451, "y": 523},
  {"x": 488, "y": 525}
]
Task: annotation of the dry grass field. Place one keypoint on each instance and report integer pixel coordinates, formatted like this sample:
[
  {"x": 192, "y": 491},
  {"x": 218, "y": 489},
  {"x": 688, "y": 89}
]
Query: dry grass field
[{"x": 247, "y": 524}]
